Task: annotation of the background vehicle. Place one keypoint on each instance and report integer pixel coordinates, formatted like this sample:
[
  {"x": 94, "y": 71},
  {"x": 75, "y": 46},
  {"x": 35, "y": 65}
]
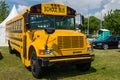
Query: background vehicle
[
  {"x": 110, "y": 42},
  {"x": 45, "y": 35},
  {"x": 119, "y": 44},
  {"x": 103, "y": 34}
]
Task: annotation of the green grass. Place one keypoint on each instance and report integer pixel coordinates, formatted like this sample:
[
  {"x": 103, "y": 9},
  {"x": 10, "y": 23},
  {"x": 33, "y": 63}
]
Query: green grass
[{"x": 106, "y": 66}]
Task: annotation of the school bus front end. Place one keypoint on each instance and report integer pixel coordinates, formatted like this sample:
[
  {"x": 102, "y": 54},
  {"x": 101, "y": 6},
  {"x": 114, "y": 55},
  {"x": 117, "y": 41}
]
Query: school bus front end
[
  {"x": 48, "y": 38},
  {"x": 62, "y": 47},
  {"x": 53, "y": 39}
]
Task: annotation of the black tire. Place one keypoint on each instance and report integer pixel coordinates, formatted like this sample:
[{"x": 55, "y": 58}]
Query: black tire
[
  {"x": 10, "y": 49},
  {"x": 1, "y": 57},
  {"x": 83, "y": 66},
  {"x": 105, "y": 46},
  {"x": 36, "y": 68}
]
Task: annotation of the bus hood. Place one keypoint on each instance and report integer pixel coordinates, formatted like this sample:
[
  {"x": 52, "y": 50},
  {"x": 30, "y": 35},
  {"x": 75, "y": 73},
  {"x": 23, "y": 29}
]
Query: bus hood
[
  {"x": 62, "y": 42},
  {"x": 58, "y": 33}
]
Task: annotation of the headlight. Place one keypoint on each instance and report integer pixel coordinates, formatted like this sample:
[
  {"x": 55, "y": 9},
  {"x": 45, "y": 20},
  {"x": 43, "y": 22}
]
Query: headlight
[
  {"x": 93, "y": 44},
  {"x": 89, "y": 49},
  {"x": 49, "y": 51}
]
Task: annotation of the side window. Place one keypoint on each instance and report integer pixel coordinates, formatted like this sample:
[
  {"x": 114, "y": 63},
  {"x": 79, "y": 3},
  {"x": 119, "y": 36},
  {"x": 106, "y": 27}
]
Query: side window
[
  {"x": 13, "y": 26},
  {"x": 100, "y": 32},
  {"x": 113, "y": 39},
  {"x": 118, "y": 38},
  {"x": 20, "y": 24},
  {"x": 16, "y": 25}
]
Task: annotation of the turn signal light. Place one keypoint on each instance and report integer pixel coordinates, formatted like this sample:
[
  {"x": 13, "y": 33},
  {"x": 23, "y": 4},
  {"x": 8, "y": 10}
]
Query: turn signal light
[{"x": 41, "y": 52}]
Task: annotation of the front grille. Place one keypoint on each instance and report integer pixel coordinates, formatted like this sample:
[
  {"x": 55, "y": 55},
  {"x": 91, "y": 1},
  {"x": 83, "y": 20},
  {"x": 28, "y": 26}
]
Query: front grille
[{"x": 70, "y": 42}]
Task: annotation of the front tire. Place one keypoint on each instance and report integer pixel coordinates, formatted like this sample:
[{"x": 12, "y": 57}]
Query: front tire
[
  {"x": 36, "y": 68},
  {"x": 83, "y": 66}
]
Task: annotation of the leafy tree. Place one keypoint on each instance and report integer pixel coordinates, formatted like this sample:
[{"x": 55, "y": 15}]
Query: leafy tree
[
  {"x": 94, "y": 24},
  {"x": 112, "y": 21},
  {"x": 3, "y": 10}
]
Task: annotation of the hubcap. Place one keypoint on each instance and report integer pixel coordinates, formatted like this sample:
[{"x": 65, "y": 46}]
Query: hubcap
[{"x": 105, "y": 47}]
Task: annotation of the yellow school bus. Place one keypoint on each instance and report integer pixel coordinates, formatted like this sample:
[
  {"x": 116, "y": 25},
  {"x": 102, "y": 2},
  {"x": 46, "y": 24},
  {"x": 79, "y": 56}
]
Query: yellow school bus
[{"x": 45, "y": 35}]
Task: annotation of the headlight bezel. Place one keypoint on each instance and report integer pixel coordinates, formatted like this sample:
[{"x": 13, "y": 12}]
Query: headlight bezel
[
  {"x": 89, "y": 49},
  {"x": 48, "y": 51}
]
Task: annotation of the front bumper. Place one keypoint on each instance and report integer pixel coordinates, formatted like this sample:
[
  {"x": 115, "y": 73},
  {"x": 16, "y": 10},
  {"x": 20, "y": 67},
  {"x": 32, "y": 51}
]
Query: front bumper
[
  {"x": 97, "y": 46},
  {"x": 63, "y": 60}
]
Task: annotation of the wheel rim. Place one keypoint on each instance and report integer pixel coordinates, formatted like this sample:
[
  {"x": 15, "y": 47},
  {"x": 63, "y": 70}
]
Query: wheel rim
[
  {"x": 35, "y": 65},
  {"x": 105, "y": 46}
]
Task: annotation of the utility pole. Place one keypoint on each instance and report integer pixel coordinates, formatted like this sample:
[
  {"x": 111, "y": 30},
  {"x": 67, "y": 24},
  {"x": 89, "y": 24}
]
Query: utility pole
[
  {"x": 88, "y": 22},
  {"x": 101, "y": 15}
]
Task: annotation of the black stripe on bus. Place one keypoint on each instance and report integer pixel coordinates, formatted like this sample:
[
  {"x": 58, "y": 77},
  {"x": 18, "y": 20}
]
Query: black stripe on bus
[
  {"x": 18, "y": 39},
  {"x": 15, "y": 44},
  {"x": 16, "y": 31}
]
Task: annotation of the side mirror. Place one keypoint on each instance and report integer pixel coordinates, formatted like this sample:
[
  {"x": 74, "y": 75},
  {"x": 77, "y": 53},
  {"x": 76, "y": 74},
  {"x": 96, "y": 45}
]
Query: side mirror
[
  {"x": 80, "y": 26},
  {"x": 82, "y": 19},
  {"x": 49, "y": 30}
]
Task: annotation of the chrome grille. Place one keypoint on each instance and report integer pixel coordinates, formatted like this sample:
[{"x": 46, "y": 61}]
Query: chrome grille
[{"x": 70, "y": 42}]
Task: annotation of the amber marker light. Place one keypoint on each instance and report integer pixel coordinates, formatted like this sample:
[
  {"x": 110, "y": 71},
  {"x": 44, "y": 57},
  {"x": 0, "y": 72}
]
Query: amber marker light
[{"x": 41, "y": 52}]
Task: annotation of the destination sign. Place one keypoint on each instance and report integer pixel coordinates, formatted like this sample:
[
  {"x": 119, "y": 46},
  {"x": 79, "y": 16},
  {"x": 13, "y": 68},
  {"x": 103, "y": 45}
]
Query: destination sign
[{"x": 54, "y": 9}]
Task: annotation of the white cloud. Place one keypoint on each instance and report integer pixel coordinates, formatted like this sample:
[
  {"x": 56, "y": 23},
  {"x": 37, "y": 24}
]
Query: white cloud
[
  {"x": 24, "y": 2},
  {"x": 112, "y": 4},
  {"x": 21, "y": 8},
  {"x": 81, "y": 6}
]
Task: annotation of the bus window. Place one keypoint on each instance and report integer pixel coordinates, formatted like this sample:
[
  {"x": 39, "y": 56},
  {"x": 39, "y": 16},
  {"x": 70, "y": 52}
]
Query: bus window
[
  {"x": 65, "y": 22},
  {"x": 38, "y": 21},
  {"x": 19, "y": 24}
]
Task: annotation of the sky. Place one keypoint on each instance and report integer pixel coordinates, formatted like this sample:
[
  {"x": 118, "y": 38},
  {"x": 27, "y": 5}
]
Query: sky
[{"x": 97, "y": 8}]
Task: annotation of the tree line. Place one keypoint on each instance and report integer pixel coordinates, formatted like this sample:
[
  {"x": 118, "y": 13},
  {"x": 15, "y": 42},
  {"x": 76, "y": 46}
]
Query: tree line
[
  {"x": 4, "y": 10},
  {"x": 111, "y": 20}
]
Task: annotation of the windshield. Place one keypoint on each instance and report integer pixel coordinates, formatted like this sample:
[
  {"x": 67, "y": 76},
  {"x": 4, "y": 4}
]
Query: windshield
[
  {"x": 38, "y": 21},
  {"x": 100, "y": 32}
]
